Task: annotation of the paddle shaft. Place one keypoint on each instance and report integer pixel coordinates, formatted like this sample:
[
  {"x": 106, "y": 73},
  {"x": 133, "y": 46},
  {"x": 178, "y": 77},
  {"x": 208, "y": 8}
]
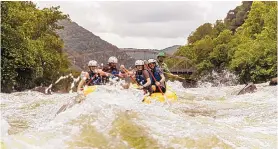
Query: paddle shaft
[
  {"x": 91, "y": 79},
  {"x": 175, "y": 76},
  {"x": 64, "y": 107},
  {"x": 242, "y": 89},
  {"x": 148, "y": 69},
  {"x": 126, "y": 71}
]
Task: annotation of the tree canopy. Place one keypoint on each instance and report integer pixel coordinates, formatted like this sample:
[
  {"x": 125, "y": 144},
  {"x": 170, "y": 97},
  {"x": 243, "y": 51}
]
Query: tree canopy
[
  {"x": 244, "y": 43},
  {"x": 31, "y": 51}
]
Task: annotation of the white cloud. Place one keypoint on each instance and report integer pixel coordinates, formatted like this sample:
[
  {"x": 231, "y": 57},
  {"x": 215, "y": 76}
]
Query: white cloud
[
  {"x": 142, "y": 42},
  {"x": 143, "y": 24}
]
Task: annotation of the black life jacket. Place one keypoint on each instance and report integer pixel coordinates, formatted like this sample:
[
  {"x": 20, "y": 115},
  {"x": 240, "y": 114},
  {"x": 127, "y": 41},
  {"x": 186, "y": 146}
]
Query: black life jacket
[
  {"x": 140, "y": 79},
  {"x": 94, "y": 79}
]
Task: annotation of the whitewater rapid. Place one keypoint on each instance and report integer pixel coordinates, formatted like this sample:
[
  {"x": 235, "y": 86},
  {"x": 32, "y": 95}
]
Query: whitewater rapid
[{"x": 111, "y": 117}]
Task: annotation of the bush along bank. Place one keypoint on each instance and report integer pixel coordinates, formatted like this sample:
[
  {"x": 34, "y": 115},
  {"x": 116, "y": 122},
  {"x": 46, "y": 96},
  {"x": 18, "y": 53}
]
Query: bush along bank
[{"x": 31, "y": 51}]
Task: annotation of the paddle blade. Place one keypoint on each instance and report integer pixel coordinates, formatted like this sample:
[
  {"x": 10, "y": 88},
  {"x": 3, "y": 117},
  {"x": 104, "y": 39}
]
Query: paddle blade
[{"x": 62, "y": 109}]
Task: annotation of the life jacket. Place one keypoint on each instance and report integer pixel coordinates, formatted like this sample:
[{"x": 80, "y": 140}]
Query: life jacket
[
  {"x": 140, "y": 79},
  {"x": 156, "y": 75},
  {"x": 111, "y": 70},
  {"x": 114, "y": 71},
  {"x": 94, "y": 79}
]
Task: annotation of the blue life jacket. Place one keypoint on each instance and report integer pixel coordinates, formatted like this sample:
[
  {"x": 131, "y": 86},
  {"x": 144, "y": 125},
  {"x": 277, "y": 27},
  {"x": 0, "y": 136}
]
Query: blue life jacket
[
  {"x": 109, "y": 69},
  {"x": 156, "y": 75},
  {"x": 140, "y": 79},
  {"x": 115, "y": 71}
]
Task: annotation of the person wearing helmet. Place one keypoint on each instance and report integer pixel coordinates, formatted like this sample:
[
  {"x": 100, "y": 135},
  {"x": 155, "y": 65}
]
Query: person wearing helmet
[
  {"x": 160, "y": 60},
  {"x": 92, "y": 77},
  {"x": 139, "y": 75},
  {"x": 142, "y": 76},
  {"x": 111, "y": 69},
  {"x": 157, "y": 73}
]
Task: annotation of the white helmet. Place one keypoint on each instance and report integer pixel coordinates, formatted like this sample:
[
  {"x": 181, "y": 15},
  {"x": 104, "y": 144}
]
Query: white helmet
[
  {"x": 139, "y": 63},
  {"x": 151, "y": 61},
  {"x": 112, "y": 59},
  {"x": 92, "y": 63}
]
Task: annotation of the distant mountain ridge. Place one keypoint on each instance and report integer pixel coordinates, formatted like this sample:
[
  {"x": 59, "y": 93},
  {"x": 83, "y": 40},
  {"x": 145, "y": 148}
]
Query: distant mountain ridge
[
  {"x": 138, "y": 49},
  {"x": 81, "y": 46},
  {"x": 148, "y": 53},
  {"x": 143, "y": 54},
  {"x": 171, "y": 50}
]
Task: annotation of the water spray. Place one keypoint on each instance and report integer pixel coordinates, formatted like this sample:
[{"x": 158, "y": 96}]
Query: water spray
[{"x": 75, "y": 80}]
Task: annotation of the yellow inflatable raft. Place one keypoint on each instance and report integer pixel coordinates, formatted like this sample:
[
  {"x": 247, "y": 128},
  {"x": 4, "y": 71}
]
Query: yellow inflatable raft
[
  {"x": 168, "y": 95},
  {"x": 89, "y": 89}
]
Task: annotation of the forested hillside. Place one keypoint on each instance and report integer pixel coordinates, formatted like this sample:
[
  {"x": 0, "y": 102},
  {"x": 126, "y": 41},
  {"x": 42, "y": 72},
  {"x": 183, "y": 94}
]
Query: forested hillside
[
  {"x": 82, "y": 46},
  {"x": 244, "y": 43}
]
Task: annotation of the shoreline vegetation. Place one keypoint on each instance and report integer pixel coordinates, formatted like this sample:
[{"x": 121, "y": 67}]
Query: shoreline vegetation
[
  {"x": 31, "y": 51},
  {"x": 244, "y": 43}
]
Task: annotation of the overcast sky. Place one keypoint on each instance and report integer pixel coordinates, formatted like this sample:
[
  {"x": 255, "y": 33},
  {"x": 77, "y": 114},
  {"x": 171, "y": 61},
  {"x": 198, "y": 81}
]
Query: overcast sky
[{"x": 151, "y": 25}]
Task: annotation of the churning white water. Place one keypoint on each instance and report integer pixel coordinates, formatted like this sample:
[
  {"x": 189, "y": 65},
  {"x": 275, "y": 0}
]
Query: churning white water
[{"x": 111, "y": 117}]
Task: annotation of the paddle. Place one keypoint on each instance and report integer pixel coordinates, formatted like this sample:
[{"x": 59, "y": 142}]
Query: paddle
[
  {"x": 185, "y": 82},
  {"x": 170, "y": 74},
  {"x": 126, "y": 71},
  {"x": 91, "y": 79},
  {"x": 242, "y": 89}
]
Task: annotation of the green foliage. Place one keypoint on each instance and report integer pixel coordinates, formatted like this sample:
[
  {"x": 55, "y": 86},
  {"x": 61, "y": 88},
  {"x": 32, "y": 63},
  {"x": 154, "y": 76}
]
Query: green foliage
[
  {"x": 256, "y": 56},
  {"x": 219, "y": 57},
  {"x": 31, "y": 51},
  {"x": 201, "y": 32},
  {"x": 218, "y": 27},
  {"x": 186, "y": 52},
  {"x": 202, "y": 48},
  {"x": 247, "y": 46}
]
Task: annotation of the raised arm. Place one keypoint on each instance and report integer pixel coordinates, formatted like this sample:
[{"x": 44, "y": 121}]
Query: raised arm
[{"x": 83, "y": 76}]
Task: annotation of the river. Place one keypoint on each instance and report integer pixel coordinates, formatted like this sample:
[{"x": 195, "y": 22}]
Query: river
[{"x": 113, "y": 118}]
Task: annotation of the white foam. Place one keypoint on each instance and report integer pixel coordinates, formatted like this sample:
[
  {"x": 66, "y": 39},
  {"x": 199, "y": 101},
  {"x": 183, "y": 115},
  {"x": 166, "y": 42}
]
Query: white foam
[
  {"x": 210, "y": 111},
  {"x": 4, "y": 127}
]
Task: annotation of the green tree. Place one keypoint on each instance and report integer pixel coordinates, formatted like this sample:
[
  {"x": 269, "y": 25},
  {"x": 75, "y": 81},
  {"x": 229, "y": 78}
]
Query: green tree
[
  {"x": 246, "y": 43},
  {"x": 218, "y": 27},
  {"x": 31, "y": 49},
  {"x": 255, "y": 58},
  {"x": 200, "y": 33},
  {"x": 219, "y": 56}
]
